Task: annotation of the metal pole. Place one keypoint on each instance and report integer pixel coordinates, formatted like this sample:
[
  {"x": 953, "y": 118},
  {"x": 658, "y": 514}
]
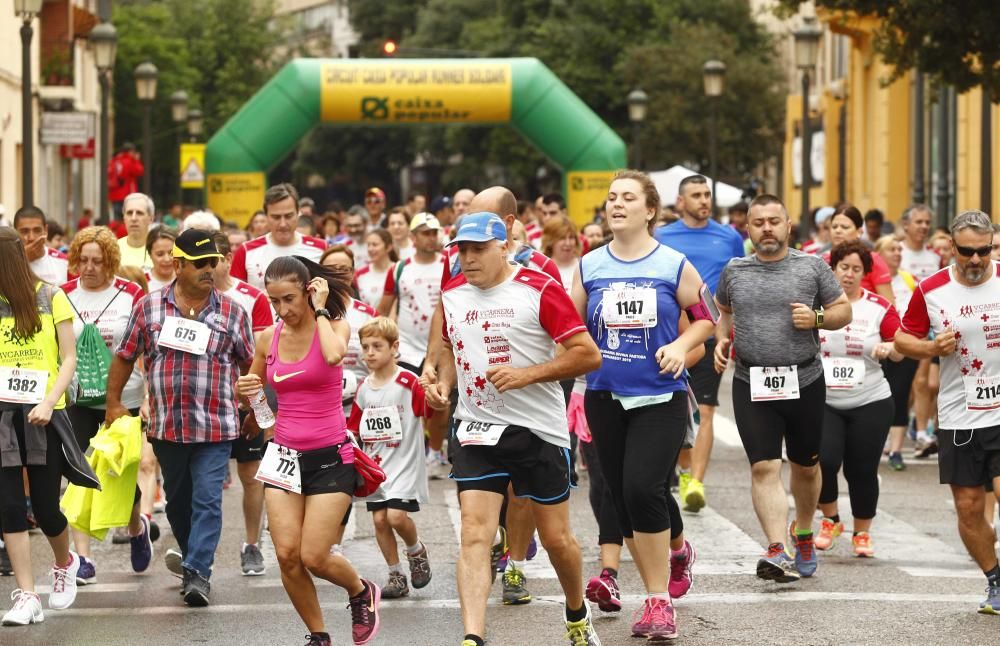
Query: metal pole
[
  {"x": 713, "y": 151},
  {"x": 147, "y": 148},
  {"x": 636, "y": 146},
  {"x": 918, "y": 139},
  {"x": 102, "y": 171},
  {"x": 943, "y": 208},
  {"x": 806, "y": 170},
  {"x": 986, "y": 144},
  {"x": 180, "y": 188},
  {"x": 27, "y": 132}
]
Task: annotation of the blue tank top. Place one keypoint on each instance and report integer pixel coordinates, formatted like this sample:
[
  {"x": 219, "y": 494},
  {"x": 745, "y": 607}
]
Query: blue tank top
[{"x": 629, "y": 366}]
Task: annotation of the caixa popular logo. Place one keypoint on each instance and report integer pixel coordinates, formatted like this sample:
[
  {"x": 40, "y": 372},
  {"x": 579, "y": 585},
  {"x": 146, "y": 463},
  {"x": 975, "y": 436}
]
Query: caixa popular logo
[{"x": 375, "y": 108}]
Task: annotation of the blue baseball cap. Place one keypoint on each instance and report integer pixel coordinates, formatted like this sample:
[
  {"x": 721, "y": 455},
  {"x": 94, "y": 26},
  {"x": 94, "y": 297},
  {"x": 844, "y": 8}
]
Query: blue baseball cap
[{"x": 480, "y": 227}]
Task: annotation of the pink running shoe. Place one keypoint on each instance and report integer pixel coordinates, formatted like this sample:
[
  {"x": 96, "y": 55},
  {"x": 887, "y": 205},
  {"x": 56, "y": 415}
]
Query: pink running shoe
[
  {"x": 364, "y": 613},
  {"x": 681, "y": 577},
  {"x": 662, "y": 621},
  {"x": 603, "y": 590}
]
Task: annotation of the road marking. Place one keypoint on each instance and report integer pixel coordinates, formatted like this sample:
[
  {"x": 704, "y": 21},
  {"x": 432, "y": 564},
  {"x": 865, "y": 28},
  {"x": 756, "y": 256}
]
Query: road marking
[
  {"x": 96, "y": 587},
  {"x": 723, "y": 548}
]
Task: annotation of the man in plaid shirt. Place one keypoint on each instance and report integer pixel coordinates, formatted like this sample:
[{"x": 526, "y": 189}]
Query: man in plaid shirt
[{"x": 195, "y": 341}]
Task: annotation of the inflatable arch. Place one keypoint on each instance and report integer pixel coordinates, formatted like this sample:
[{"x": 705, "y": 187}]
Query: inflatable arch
[{"x": 399, "y": 92}]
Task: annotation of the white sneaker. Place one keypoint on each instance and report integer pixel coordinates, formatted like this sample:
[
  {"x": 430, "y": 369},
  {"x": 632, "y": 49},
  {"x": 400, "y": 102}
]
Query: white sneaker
[
  {"x": 27, "y": 609},
  {"x": 64, "y": 584}
]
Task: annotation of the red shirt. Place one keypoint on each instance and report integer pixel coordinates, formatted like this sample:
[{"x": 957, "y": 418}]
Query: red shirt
[{"x": 124, "y": 170}]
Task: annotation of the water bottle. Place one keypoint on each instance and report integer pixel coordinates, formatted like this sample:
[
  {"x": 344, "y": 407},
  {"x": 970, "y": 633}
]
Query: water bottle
[{"x": 261, "y": 411}]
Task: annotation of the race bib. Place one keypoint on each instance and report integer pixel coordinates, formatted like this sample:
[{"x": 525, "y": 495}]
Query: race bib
[
  {"x": 629, "y": 307},
  {"x": 843, "y": 373},
  {"x": 20, "y": 386},
  {"x": 982, "y": 392},
  {"x": 280, "y": 467},
  {"x": 381, "y": 424},
  {"x": 479, "y": 433},
  {"x": 185, "y": 335},
  {"x": 770, "y": 384}
]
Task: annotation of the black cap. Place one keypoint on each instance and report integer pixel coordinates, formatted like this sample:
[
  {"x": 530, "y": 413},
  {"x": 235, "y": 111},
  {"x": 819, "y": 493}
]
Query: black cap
[{"x": 195, "y": 244}]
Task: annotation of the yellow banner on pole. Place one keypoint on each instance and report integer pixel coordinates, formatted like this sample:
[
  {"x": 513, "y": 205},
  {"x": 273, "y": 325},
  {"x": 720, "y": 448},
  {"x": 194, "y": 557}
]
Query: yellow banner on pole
[
  {"x": 234, "y": 197},
  {"x": 192, "y": 165},
  {"x": 443, "y": 92},
  {"x": 586, "y": 192}
]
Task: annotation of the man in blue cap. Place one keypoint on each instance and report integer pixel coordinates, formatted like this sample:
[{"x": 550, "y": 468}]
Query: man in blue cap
[{"x": 502, "y": 323}]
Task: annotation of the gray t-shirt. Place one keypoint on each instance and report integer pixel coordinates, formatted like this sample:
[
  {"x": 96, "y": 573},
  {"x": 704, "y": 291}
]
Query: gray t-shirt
[{"x": 760, "y": 295}]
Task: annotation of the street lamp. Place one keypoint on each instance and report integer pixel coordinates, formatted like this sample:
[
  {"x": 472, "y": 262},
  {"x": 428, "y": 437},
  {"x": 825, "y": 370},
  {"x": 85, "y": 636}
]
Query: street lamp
[
  {"x": 27, "y": 10},
  {"x": 146, "y": 76},
  {"x": 179, "y": 115},
  {"x": 104, "y": 40},
  {"x": 195, "y": 123},
  {"x": 806, "y": 53},
  {"x": 638, "y": 103},
  {"x": 714, "y": 76}
]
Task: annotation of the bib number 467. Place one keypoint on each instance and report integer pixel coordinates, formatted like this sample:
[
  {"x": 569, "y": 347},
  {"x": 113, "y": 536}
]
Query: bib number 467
[{"x": 775, "y": 381}]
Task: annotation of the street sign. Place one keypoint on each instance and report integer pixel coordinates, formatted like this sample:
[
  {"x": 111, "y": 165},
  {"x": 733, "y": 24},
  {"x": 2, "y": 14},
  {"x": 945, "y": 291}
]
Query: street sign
[
  {"x": 192, "y": 166},
  {"x": 74, "y": 128}
]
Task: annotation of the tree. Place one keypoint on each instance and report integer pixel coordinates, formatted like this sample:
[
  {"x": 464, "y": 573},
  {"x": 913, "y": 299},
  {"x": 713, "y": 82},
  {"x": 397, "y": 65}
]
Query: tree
[{"x": 954, "y": 42}]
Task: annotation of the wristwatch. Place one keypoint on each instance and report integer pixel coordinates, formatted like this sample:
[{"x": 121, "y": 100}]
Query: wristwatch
[
  {"x": 325, "y": 313},
  {"x": 819, "y": 318}
]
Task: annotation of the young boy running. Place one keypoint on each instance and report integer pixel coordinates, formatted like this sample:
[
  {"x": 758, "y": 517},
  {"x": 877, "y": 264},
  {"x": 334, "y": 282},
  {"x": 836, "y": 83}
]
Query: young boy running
[{"x": 386, "y": 416}]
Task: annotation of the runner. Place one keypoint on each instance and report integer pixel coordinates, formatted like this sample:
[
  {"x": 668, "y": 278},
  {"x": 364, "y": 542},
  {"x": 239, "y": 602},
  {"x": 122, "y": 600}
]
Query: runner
[
  {"x": 398, "y": 225},
  {"x": 859, "y": 402},
  {"x": 510, "y": 425},
  {"x": 300, "y": 358},
  {"x": 38, "y": 358},
  {"x": 846, "y": 225},
  {"x": 382, "y": 257},
  {"x": 160, "y": 247},
  {"x": 561, "y": 243},
  {"x": 48, "y": 264},
  {"x": 375, "y": 205},
  {"x": 918, "y": 258},
  {"x": 281, "y": 206},
  {"x": 776, "y": 300},
  {"x": 355, "y": 228},
  {"x": 708, "y": 246},
  {"x": 137, "y": 214},
  {"x": 390, "y": 404},
  {"x": 632, "y": 292},
  {"x": 961, "y": 305}
]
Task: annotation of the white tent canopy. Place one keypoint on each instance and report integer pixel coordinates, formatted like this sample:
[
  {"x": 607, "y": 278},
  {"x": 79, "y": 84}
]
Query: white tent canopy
[{"x": 668, "y": 180}]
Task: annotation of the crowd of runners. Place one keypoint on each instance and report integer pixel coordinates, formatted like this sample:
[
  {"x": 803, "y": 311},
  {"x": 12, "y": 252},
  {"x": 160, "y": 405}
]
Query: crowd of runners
[{"x": 342, "y": 357}]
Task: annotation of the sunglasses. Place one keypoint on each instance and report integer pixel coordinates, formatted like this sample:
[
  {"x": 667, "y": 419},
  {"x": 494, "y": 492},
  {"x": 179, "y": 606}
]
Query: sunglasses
[
  {"x": 201, "y": 263},
  {"x": 968, "y": 252},
  {"x": 373, "y": 198}
]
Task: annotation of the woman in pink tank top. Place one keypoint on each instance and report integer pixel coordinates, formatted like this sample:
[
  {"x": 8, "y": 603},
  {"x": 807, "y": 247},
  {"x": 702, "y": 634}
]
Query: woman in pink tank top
[{"x": 300, "y": 358}]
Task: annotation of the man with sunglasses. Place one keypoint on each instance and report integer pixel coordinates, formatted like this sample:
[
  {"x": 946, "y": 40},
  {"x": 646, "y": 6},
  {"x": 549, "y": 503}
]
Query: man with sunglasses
[
  {"x": 961, "y": 305},
  {"x": 195, "y": 340},
  {"x": 375, "y": 205}
]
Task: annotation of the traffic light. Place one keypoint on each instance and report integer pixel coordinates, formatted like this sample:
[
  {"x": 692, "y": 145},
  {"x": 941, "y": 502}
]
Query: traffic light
[{"x": 389, "y": 48}]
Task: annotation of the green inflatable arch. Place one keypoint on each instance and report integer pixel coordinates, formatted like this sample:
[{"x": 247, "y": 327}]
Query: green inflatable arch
[{"x": 393, "y": 92}]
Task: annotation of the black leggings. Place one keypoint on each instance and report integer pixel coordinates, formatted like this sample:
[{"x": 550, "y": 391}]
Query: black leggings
[
  {"x": 85, "y": 422},
  {"x": 44, "y": 481},
  {"x": 855, "y": 439},
  {"x": 900, "y": 376},
  {"x": 638, "y": 450},
  {"x": 608, "y": 529}
]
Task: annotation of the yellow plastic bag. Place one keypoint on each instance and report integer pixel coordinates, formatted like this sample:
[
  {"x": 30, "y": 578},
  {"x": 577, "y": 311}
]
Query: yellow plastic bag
[{"x": 77, "y": 503}]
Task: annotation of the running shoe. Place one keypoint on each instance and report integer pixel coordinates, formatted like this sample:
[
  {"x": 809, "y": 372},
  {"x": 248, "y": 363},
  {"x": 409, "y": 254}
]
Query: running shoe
[
  {"x": 515, "y": 592},
  {"x": 252, "y": 561},
  {"x": 582, "y": 633},
  {"x": 502, "y": 563},
  {"x": 142, "y": 547},
  {"x": 776, "y": 565},
  {"x": 926, "y": 449},
  {"x": 364, "y": 613},
  {"x": 683, "y": 482},
  {"x": 318, "y": 640},
  {"x": 420, "y": 568},
  {"x": 532, "y": 548},
  {"x": 154, "y": 530},
  {"x": 468, "y": 642},
  {"x": 64, "y": 583},
  {"x": 828, "y": 532},
  {"x": 991, "y": 606},
  {"x": 87, "y": 573},
  {"x": 27, "y": 609},
  {"x": 805, "y": 554},
  {"x": 196, "y": 589},
  {"x": 896, "y": 461},
  {"x": 6, "y": 569},
  {"x": 640, "y": 626},
  {"x": 437, "y": 465},
  {"x": 694, "y": 498},
  {"x": 172, "y": 559},
  {"x": 658, "y": 622},
  {"x": 603, "y": 590},
  {"x": 396, "y": 587},
  {"x": 681, "y": 576},
  {"x": 863, "y": 545},
  {"x": 498, "y": 551}
]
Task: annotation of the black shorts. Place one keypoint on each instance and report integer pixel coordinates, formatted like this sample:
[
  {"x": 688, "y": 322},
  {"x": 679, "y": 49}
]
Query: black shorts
[
  {"x": 974, "y": 462},
  {"x": 704, "y": 379},
  {"x": 763, "y": 425},
  {"x": 244, "y": 450},
  {"x": 409, "y": 506},
  {"x": 900, "y": 375},
  {"x": 321, "y": 471},
  {"x": 537, "y": 469}
]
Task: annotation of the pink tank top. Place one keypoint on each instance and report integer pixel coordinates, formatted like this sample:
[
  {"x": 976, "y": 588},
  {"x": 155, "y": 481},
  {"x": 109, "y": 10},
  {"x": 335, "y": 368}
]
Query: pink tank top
[{"x": 310, "y": 411}]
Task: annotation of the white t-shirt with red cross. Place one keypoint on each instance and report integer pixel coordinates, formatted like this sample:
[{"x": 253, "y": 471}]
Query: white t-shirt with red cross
[
  {"x": 254, "y": 302},
  {"x": 847, "y": 353},
  {"x": 921, "y": 263},
  {"x": 403, "y": 460},
  {"x": 371, "y": 284},
  {"x": 358, "y": 314},
  {"x": 418, "y": 290},
  {"x": 250, "y": 260},
  {"x": 969, "y": 396},
  {"x": 515, "y": 324},
  {"x": 53, "y": 267},
  {"x": 119, "y": 298}
]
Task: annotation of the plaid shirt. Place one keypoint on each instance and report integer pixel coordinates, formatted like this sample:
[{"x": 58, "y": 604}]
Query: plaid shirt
[{"x": 192, "y": 397}]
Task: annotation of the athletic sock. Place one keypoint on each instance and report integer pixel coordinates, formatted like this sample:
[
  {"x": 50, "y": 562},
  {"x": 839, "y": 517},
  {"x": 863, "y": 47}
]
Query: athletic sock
[
  {"x": 322, "y": 636},
  {"x": 802, "y": 533},
  {"x": 576, "y": 615},
  {"x": 611, "y": 571},
  {"x": 682, "y": 553},
  {"x": 413, "y": 549},
  {"x": 397, "y": 568},
  {"x": 993, "y": 576},
  {"x": 835, "y": 518},
  {"x": 660, "y": 595},
  {"x": 514, "y": 565},
  {"x": 475, "y": 639}
]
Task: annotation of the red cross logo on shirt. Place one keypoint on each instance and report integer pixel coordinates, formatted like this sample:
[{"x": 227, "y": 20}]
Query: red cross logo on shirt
[
  {"x": 480, "y": 382},
  {"x": 460, "y": 346},
  {"x": 977, "y": 364},
  {"x": 946, "y": 322},
  {"x": 486, "y": 326},
  {"x": 985, "y": 317},
  {"x": 468, "y": 392},
  {"x": 378, "y": 459},
  {"x": 965, "y": 352}
]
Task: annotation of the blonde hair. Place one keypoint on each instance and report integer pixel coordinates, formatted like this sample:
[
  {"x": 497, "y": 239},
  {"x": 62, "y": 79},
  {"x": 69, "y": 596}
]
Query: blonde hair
[
  {"x": 883, "y": 243},
  {"x": 381, "y": 327},
  {"x": 103, "y": 238},
  {"x": 135, "y": 275},
  {"x": 557, "y": 229}
]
